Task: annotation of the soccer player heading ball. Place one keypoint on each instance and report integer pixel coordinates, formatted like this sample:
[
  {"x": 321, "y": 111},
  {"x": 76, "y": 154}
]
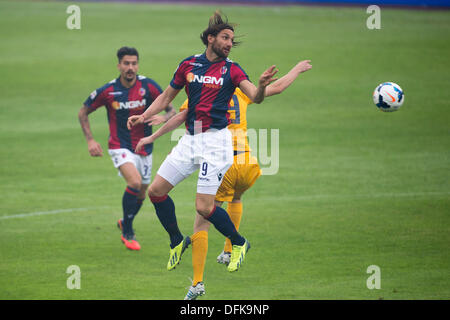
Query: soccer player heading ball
[
  {"x": 209, "y": 80},
  {"x": 238, "y": 179}
]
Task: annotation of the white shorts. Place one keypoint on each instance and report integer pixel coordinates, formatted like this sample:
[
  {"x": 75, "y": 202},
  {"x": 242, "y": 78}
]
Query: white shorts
[
  {"x": 142, "y": 163},
  {"x": 210, "y": 151}
]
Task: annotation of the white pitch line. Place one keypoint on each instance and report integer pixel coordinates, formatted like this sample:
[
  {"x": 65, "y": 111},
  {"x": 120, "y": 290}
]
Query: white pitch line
[
  {"x": 40, "y": 213},
  {"x": 298, "y": 198}
]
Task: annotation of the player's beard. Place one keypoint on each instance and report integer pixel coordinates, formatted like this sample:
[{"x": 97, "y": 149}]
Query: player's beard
[
  {"x": 130, "y": 76},
  {"x": 219, "y": 52}
]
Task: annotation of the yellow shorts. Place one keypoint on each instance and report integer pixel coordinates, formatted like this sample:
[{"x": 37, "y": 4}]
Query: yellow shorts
[{"x": 239, "y": 178}]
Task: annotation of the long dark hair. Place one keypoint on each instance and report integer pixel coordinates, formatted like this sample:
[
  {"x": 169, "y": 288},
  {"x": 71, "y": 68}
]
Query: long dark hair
[{"x": 217, "y": 22}]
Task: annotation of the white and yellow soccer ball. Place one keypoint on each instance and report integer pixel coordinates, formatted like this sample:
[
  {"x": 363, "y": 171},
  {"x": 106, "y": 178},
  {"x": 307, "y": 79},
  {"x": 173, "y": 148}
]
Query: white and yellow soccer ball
[{"x": 388, "y": 96}]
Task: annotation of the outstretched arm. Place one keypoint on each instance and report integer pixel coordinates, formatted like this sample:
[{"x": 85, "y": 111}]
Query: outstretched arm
[
  {"x": 170, "y": 125},
  {"x": 281, "y": 84},
  {"x": 163, "y": 100},
  {"x": 256, "y": 94}
]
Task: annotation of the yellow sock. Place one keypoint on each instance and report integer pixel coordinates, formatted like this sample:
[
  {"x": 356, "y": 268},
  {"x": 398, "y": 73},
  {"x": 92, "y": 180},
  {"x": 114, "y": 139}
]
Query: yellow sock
[
  {"x": 199, "y": 251},
  {"x": 234, "y": 210}
]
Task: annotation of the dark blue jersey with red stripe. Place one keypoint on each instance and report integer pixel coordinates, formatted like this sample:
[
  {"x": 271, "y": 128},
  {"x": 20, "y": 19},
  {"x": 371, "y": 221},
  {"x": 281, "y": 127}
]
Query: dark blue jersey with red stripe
[
  {"x": 121, "y": 103},
  {"x": 209, "y": 87}
]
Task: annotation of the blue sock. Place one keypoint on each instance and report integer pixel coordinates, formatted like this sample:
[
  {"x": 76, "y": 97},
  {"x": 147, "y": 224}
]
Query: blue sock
[
  {"x": 221, "y": 220},
  {"x": 139, "y": 203},
  {"x": 130, "y": 208},
  {"x": 165, "y": 210}
]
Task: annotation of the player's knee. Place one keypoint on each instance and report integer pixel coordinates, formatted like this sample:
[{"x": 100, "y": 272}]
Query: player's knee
[
  {"x": 135, "y": 184},
  {"x": 155, "y": 192},
  {"x": 204, "y": 209}
]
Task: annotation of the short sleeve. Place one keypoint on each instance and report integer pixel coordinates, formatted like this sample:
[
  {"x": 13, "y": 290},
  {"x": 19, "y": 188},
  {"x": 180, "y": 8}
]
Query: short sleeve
[
  {"x": 179, "y": 77},
  {"x": 96, "y": 99},
  {"x": 237, "y": 74}
]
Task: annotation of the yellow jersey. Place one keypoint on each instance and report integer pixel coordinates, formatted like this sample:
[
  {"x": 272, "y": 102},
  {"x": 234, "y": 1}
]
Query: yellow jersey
[{"x": 238, "y": 119}]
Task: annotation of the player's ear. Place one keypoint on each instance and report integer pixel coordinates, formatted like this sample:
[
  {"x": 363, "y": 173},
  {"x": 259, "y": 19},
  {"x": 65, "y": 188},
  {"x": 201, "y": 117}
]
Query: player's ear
[{"x": 211, "y": 38}]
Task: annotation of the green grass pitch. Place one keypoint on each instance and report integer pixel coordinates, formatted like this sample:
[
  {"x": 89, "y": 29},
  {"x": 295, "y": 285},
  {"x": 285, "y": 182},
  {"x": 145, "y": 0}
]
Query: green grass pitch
[{"x": 355, "y": 187}]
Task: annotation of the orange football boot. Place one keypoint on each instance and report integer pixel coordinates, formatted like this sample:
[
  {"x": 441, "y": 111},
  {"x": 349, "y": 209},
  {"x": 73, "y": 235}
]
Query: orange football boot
[{"x": 128, "y": 240}]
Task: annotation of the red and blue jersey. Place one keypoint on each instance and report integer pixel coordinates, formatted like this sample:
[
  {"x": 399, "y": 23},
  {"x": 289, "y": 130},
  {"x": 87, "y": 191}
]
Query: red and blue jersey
[
  {"x": 121, "y": 103},
  {"x": 209, "y": 87}
]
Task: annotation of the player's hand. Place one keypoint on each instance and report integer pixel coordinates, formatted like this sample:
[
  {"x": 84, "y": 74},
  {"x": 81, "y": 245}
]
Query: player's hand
[
  {"x": 303, "y": 66},
  {"x": 95, "y": 149},
  {"x": 134, "y": 120},
  {"x": 267, "y": 76},
  {"x": 155, "y": 120},
  {"x": 143, "y": 142}
]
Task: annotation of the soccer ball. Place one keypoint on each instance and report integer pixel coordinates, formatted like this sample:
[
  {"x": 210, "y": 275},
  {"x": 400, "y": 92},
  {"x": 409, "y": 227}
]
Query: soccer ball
[{"x": 388, "y": 96}]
